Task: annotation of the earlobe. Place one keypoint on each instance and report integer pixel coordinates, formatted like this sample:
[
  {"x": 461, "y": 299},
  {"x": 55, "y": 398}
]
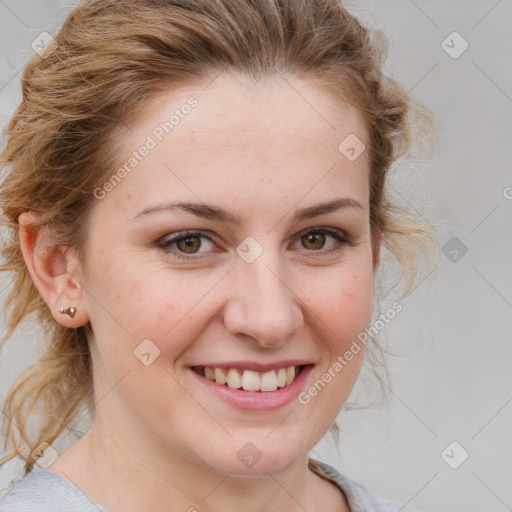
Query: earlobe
[
  {"x": 71, "y": 311},
  {"x": 52, "y": 270}
]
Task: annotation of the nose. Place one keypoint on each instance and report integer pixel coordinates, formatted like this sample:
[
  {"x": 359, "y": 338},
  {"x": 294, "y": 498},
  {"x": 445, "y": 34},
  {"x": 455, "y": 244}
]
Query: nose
[{"x": 262, "y": 305}]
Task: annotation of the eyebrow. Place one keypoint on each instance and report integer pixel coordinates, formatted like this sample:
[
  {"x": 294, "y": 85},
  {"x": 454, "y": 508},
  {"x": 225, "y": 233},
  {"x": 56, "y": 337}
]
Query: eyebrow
[{"x": 212, "y": 212}]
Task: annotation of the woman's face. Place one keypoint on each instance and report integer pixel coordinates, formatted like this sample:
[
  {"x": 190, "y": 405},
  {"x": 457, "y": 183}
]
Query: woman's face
[{"x": 248, "y": 275}]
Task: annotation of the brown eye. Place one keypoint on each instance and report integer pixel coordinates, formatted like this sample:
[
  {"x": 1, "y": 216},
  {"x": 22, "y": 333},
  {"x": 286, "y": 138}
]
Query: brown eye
[
  {"x": 317, "y": 241},
  {"x": 189, "y": 245},
  {"x": 313, "y": 241}
]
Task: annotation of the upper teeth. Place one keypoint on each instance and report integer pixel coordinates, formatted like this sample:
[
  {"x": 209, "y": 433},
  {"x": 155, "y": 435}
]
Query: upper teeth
[{"x": 250, "y": 380}]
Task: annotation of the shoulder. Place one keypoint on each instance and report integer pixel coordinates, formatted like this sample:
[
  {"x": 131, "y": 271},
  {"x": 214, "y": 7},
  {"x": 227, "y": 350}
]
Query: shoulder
[
  {"x": 44, "y": 491},
  {"x": 360, "y": 497}
]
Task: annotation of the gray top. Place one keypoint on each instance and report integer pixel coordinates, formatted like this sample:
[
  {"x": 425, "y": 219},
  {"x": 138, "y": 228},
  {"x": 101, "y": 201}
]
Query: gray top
[{"x": 44, "y": 491}]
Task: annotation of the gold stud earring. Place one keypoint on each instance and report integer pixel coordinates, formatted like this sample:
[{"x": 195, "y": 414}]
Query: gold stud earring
[{"x": 68, "y": 311}]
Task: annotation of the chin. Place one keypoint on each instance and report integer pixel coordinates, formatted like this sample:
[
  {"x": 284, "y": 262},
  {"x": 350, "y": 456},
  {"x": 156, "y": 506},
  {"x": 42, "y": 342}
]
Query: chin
[{"x": 256, "y": 458}]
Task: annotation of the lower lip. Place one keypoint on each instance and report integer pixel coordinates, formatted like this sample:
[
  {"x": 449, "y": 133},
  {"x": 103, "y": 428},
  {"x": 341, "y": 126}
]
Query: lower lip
[{"x": 257, "y": 400}]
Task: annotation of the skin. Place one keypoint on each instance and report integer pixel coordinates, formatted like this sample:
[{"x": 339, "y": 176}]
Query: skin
[{"x": 261, "y": 151}]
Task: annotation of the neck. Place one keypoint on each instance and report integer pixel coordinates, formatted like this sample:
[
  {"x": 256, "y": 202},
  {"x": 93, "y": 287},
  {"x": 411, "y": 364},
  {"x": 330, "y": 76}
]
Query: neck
[{"x": 148, "y": 477}]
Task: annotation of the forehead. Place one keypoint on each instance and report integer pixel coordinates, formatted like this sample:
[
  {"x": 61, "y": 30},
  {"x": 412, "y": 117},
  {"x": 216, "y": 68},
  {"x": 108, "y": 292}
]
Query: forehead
[
  {"x": 240, "y": 135},
  {"x": 231, "y": 106}
]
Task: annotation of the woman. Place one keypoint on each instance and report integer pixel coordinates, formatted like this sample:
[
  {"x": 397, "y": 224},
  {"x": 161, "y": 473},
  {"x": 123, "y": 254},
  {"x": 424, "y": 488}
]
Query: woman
[{"x": 196, "y": 196}]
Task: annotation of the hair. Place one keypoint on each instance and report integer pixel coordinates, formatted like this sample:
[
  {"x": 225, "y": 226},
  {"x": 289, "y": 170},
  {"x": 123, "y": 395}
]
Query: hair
[{"x": 110, "y": 59}]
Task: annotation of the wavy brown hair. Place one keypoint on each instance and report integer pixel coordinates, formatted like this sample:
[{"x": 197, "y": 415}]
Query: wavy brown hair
[{"x": 111, "y": 58}]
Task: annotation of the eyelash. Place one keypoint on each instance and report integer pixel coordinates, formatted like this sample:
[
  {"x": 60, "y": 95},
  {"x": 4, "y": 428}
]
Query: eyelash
[{"x": 165, "y": 244}]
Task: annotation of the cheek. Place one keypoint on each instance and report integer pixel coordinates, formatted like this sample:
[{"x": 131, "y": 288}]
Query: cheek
[
  {"x": 137, "y": 302},
  {"x": 139, "y": 322},
  {"x": 340, "y": 307},
  {"x": 342, "y": 303}
]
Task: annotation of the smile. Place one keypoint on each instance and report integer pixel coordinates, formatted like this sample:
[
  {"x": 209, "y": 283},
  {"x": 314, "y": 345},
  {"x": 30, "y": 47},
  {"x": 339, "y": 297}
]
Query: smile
[
  {"x": 250, "y": 380},
  {"x": 253, "y": 386}
]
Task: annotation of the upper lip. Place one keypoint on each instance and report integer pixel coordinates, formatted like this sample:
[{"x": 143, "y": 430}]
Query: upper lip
[{"x": 256, "y": 366}]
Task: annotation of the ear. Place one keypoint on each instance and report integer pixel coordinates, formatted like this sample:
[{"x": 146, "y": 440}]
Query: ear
[{"x": 53, "y": 270}]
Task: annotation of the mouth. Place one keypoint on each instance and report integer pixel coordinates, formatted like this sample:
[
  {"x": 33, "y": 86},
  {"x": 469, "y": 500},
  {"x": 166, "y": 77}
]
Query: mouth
[{"x": 250, "y": 380}]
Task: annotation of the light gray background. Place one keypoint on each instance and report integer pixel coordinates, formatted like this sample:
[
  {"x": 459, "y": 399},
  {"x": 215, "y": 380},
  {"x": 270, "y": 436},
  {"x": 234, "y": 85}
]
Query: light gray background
[{"x": 453, "y": 382}]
